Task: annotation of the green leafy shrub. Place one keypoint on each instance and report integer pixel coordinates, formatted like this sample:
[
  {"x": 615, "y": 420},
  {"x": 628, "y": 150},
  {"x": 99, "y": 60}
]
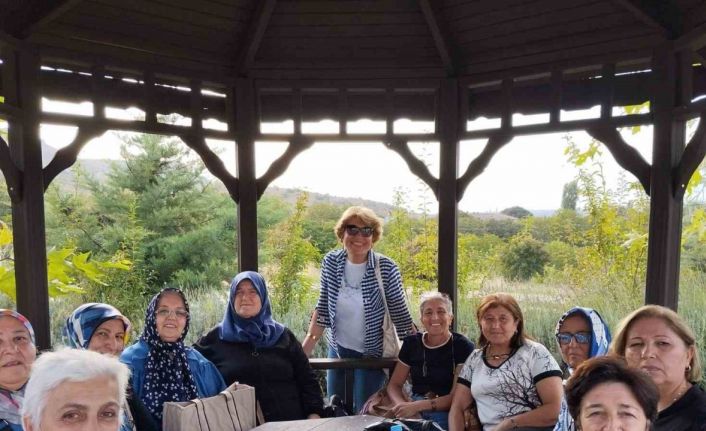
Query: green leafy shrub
[{"x": 523, "y": 258}]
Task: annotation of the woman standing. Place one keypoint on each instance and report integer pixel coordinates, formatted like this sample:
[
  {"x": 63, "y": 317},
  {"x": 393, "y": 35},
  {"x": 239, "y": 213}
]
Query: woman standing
[
  {"x": 162, "y": 368},
  {"x": 431, "y": 359},
  {"x": 17, "y": 354},
  {"x": 351, "y": 304},
  {"x": 515, "y": 382},
  {"x": 250, "y": 347},
  {"x": 657, "y": 341},
  {"x": 103, "y": 329},
  {"x": 581, "y": 333}
]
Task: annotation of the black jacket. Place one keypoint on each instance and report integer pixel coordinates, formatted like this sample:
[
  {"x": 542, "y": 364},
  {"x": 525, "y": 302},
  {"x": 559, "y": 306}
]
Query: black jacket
[
  {"x": 285, "y": 385},
  {"x": 688, "y": 413}
]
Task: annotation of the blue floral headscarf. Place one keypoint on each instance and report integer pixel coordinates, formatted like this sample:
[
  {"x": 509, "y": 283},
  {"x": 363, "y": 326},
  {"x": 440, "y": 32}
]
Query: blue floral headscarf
[
  {"x": 600, "y": 340},
  {"x": 167, "y": 373},
  {"x": 84, "y": 321},
  {"x": 261, "y": 330}
]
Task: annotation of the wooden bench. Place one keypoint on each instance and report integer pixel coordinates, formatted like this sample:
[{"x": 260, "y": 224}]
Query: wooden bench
[{"x": 350, "y": 364}]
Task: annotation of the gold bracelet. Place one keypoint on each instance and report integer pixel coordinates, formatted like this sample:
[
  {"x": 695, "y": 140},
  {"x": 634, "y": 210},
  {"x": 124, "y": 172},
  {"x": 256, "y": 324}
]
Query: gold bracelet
[{"x": 312, "y": 336}]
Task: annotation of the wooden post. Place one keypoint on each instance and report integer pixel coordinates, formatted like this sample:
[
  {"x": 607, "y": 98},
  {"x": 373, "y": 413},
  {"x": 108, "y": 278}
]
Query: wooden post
[
  {"x": 28, "y": 214},
  {"x": 246, "y": 122},
  {"x": 670, "y": 89},
  {"x": 448, "y": 123}
]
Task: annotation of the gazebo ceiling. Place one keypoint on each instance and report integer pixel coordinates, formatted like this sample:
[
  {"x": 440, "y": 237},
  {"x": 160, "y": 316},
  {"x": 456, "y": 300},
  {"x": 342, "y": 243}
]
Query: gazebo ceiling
[{"x": 295, "y": 39}]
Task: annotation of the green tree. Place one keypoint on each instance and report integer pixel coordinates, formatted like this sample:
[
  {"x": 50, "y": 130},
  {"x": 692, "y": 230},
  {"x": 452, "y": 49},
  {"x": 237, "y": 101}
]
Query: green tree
[
  {"x": 523, "y": 258},
  {"x": 569, "y": 196},
  {"x": 517, "y": 212}
]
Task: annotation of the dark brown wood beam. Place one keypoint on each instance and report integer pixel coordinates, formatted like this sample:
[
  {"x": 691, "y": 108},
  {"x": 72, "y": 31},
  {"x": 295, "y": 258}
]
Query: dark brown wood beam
[
  {"x": 416, "y": 166},
  {"x": 245, "y": 110},
  {"x": 50, "y": 15},
  {"x": 258, "y": 25},
  {"x": 627, "y": 157},
  {"x": 662, "y": 15},
  {"x": 694, "y": 40},
  {"x": 279, "y": 166},
  {"x": 213, "y": 163},
  {"x": 13, "y": 178},
  {"x": 441, "y": 40},
  {"x": 478, "y": 165},
  {"x": 691, "y": 159},
  {"x": 66, "y": 157}
]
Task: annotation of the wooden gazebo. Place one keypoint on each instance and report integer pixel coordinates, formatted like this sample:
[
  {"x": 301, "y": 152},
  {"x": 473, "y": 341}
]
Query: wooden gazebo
[{"x": 245, "y": 62}]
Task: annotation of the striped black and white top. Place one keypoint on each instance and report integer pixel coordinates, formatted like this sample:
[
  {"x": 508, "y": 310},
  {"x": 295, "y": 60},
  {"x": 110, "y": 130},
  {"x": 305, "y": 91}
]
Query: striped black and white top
[{"x": 332, "y": 268}]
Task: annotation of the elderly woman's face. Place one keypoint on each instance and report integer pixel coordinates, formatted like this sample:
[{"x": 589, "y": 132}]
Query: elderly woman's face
[
  {"x": 17, "y": 353},
  {"x": 357, "y": 245},
  {"x": 247, "y": 302},
  {"x": 574, "y": 353},
  {"x": 170, "y": 317},
  {"x": 654, "y": 348},
  {"x": 611, "y": 406},
  {"x": 498, "y": 325},
  {"x": 91, "y": 405},
  {"x": 108, "y": 338},
  {"x": 435, "y": 317}
]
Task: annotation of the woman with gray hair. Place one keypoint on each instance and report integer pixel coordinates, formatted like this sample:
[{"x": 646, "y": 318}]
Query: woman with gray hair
[{"x": 75, "y": 390}]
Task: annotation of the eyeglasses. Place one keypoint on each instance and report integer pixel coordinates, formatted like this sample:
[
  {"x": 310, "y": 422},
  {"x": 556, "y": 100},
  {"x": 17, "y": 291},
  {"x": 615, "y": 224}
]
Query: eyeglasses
[
  {"x": 179, "y": 314},
  {"x": 354, "y": 230},
  {"x": 581, "y": 337}
]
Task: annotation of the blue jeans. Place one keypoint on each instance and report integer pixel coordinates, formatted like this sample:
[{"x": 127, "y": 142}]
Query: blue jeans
[
  {"x": 440, "y": 417},
  {"x": 365, "y": 382}
]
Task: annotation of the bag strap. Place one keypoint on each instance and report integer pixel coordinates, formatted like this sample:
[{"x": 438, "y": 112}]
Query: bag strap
[
  {"x": 260, "y": 416},
  {"x": 378, "y": 275},
  {"x": 201, "y": 414}
]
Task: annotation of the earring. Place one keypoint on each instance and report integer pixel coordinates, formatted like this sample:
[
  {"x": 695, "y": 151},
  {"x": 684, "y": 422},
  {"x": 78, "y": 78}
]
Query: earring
[{"x": 688, "y": 368}]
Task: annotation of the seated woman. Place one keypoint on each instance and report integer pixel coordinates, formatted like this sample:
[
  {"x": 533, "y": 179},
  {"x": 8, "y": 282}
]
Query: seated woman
[
  {"x": 17, "y": 354},
  {"x": 655, "y": 340},
  {"x": 581, "y": 334},
  {"x": 515, "y": 382},
  {"x": 162, "y": 368},
  {"x": 431, "y": 359},
  {"x": 250, "y": 347},
  {"x": 103, "y": 329},
  {"x": 74, "y": 389},
  {"x": 603, "y": 393}
]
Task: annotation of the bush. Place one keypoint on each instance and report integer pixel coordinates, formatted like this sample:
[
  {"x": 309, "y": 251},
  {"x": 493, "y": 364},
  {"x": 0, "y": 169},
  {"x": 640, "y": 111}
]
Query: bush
[{"x": 524, "y": 258}]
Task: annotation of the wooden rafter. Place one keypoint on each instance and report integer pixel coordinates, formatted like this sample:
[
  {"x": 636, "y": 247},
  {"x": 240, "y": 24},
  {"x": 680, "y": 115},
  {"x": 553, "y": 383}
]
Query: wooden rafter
[
  {"x": 13, "y": 179},
  {"x": 627, "y": 157},
  {"x": 691, "y": 158},
  {"x": 258, "y": 25},
  {"x": 66, "y": 157},
  {"x": 441, "y": 40},
  {"x": 416, "y": 166},
  {"x": 661, "y": 15},
  {"x": 50, "y": 15},
  {"x": 694, "y": 39},
  {"x": 10, "y": 112},
  {"x": 213, "y": 163},
  {"x": 478, "y": 165},
  {"x": 279, "y": 166}
]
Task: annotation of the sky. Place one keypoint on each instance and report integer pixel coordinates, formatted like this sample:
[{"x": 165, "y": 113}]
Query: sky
[{"x": 529, "y": 172}]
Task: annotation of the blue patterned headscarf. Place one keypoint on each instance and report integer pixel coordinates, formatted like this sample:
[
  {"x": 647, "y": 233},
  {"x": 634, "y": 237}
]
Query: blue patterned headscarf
[
  {"x": 600, "y": 340},
  {"x": 167, "y": 373},
  {"x": 84, "y": 321},
  {"x": 261, "y": 330}
]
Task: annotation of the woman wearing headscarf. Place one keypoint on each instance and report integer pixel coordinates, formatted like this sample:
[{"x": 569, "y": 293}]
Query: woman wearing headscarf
[
  {"x": 103, "y": 329},
  {"x": 581, "y": 333},
  {"x": 17, "y": 354},
  {"x": 250, "y": 347},
  {"x": 162, "y": 368}
]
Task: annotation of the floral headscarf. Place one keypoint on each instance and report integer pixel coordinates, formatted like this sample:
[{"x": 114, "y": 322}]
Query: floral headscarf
[
  {"x": 11, "y": 401},
  {"x": 167, "y": 373},
  {"x": 84, "y": 321},
  {"x": 261, "y": 330}
]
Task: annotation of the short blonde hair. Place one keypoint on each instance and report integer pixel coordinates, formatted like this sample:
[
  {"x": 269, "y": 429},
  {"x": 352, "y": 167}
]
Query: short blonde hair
[
  {"x": 674, "y": 322},
  {"x": 366, "y": 215}
]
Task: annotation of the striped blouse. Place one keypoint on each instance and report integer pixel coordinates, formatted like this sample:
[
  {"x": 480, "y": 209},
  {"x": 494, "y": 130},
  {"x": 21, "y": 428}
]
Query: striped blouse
[{"x": 332, "y": 268}]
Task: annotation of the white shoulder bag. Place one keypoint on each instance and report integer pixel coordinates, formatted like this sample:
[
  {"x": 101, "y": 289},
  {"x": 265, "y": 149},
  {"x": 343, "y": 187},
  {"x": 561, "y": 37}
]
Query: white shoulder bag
[{"x": 390, "y": 340}]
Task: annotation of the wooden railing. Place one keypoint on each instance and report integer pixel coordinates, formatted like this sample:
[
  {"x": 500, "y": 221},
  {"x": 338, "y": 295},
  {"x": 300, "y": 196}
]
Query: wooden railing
[{"x": 349, "y": 365}]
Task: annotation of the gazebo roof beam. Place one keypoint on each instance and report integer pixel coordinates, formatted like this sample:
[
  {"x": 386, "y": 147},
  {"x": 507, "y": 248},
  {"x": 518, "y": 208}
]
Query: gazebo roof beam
[
  {"x": 662, "y": 15},
  {"x": 441, "y": 41},
  {"x": 50, "y": 15},
  {"x": 694, "y": 39},
  {"x": 258, "y": 25}
]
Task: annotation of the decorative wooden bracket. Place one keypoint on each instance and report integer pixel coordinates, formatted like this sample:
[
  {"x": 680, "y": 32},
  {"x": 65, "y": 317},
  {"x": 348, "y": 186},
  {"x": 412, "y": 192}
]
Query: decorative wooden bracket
[
  {"x": 66, "y": 157},
  {"x": 297, "y": 145},
  {"x": 691, "y": 158},
  {"x": 626, "y": 156},
  {"x": 416, "y": 166},
  {"x": 13, "y": 177},
  {"x": 213, "y": 163},
  {"x": 478, "y": 165}
]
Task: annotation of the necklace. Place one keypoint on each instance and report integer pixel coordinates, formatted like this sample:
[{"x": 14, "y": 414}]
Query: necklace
[{"x": 497, "y": 356}]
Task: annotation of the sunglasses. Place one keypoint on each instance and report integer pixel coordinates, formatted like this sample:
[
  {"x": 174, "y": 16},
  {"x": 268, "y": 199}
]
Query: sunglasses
[
  {"x": 354, "y": 230},
  {"x": 564, "y": 338}
]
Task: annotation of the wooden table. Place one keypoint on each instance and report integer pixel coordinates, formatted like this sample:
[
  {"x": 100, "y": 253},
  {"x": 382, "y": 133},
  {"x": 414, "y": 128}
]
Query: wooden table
[{"x": 344, "y": 423}]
